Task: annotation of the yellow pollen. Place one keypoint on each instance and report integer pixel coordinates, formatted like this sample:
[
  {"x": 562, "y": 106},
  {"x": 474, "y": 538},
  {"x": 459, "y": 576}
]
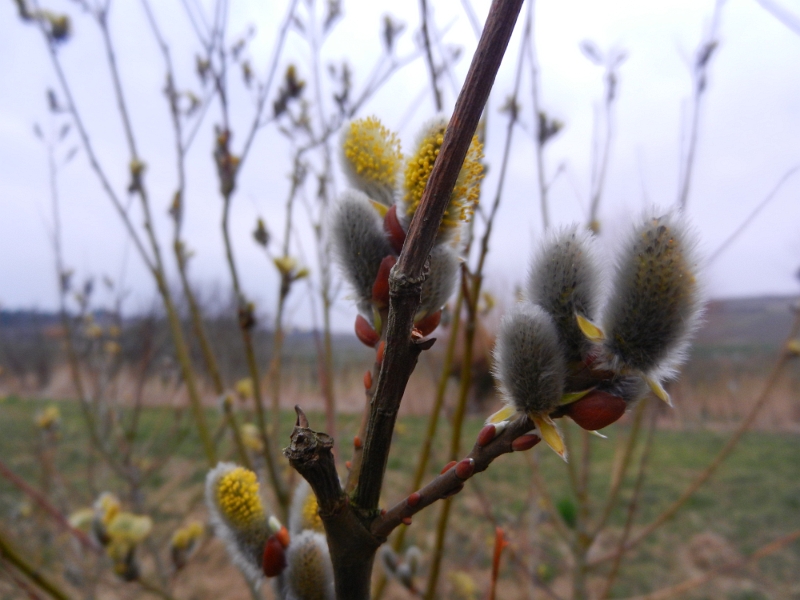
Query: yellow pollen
[
  {"x": 467, "y": 189},
  {"x": 311, "y": 518},
  {"x": 238, "y": 499},
  {"x": 373, "y": 151},
  {"x": 186, "y": 536}
]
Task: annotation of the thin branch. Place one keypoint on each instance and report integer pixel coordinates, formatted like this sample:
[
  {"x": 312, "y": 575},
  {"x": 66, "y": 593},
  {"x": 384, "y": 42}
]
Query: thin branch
[
  {"x": 409, "y": 272},
  {"x": 45, "y": 505},
  {"x": 786, "y": 17},
  {"x": 633, "y": 504},
  {"x": 618, "y": 474},
  {"x": 452, "y": 480},
  {"x": 471, "y": 297},
  {"x": 72, "y": 108},
  {"x": 700, "y": 73},
  {"x": 539, "y": 145},
  {"x": 751, "y": 217},
  {"x": 267, "y": 86},
  {"x": 426, "y": 39}
]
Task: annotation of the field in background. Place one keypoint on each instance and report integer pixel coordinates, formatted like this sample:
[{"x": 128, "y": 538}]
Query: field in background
[
  {"x": 731, "y": 357},
  {"x": 753, "y": 499}
]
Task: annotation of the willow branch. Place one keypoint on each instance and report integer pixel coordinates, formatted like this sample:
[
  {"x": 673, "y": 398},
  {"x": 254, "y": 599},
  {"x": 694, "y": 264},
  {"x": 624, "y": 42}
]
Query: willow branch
[
  {"x": 452, "y": 480},
  {"x": 409, "y": 272}
]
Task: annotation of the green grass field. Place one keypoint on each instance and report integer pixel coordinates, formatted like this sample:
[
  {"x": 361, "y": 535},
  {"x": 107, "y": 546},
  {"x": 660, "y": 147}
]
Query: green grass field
[{"x": 753, "y": 499}]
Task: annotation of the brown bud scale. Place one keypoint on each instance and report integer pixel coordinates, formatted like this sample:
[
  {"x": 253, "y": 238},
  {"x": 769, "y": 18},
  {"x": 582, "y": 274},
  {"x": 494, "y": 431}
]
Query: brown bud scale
[{"x": 525, "y": 442}]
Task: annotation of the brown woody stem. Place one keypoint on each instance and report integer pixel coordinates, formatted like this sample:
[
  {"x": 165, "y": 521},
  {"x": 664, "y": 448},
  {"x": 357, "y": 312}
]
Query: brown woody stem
[{"x": 410, "y": 271}]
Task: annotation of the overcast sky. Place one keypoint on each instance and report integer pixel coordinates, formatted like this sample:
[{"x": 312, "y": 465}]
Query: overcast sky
[{"x": 749, "y": 137}]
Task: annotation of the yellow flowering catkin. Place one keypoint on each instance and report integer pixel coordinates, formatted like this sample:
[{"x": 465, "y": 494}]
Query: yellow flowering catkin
[
  {"x": 420, "y": 165},
  {"x": 238, "y": 499},
  {"x": 304, "y": 512},
  {"x": 187, "y": 536},
  {"x": 372, "y": 158},
  {"x": 311, "y": 516},
  {"x": 238, "y": 516}
]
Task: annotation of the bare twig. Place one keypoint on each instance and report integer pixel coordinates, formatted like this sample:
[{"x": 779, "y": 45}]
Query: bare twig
[
  {"x": 353, "y": 524},
  {"x": 751, "y": 217},
  {"x": 539, "y": 142},
  {"x": 409, "y": 272},
  {"x": 633, "y": 504},
  {"x": 452, "y": 480},
  {"x": 700, "y": 83},
  {"x": 45, "y": 505},
  {"x": 792, "y": 21},
  {"x": 437, "y": 94}
]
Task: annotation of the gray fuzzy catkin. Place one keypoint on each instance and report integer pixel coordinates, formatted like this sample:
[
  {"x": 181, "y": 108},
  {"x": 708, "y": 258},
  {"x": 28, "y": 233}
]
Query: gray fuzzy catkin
[
  {"x": 359, "y": 243},
  {"x": 441, "y": 279},
  {"x": 656, "y": 302},
  {"x": 309, "y": 572},
  {"x": 564, "y": 280},
  {"x": 529, "y": 360}
]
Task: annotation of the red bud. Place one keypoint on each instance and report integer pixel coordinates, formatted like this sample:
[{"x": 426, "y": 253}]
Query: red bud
[
  {"x": 283, "y": 536},
  {"x": 486, "y": 434},
  {"x": 448, "y": 466},
  {"x": 427, "y": 324},
  {"x": 525, "y": 442},
  {"x": 596, "y": 410},
  {"x": 380, "y": 289},
  {"x": 348, "y": 464},
  {"x": 407, "y": 520},
  {"x": 365, "y": 333},
  {"x": 394, "y": 230},
  {"x": 367, "y": 380},
  {"x": 357, "y": 442},
  {"x": 465, "y": 468},
  {"x": 379, "y": 354},
  {"x": 274, "y": 560},
  {"x": 413, "y": 499}
]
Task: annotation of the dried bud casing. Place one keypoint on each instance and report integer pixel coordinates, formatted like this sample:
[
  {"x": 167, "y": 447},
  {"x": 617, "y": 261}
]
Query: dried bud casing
[
  {"x": 441, "y": 280},
  {"x": 309, "y": 573},
  {"x": 656, "y": 303},
  {"x": 529, "y": 360},
  {"x": 564, "y": 280},
  {"x": 360, "y": 244}
]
